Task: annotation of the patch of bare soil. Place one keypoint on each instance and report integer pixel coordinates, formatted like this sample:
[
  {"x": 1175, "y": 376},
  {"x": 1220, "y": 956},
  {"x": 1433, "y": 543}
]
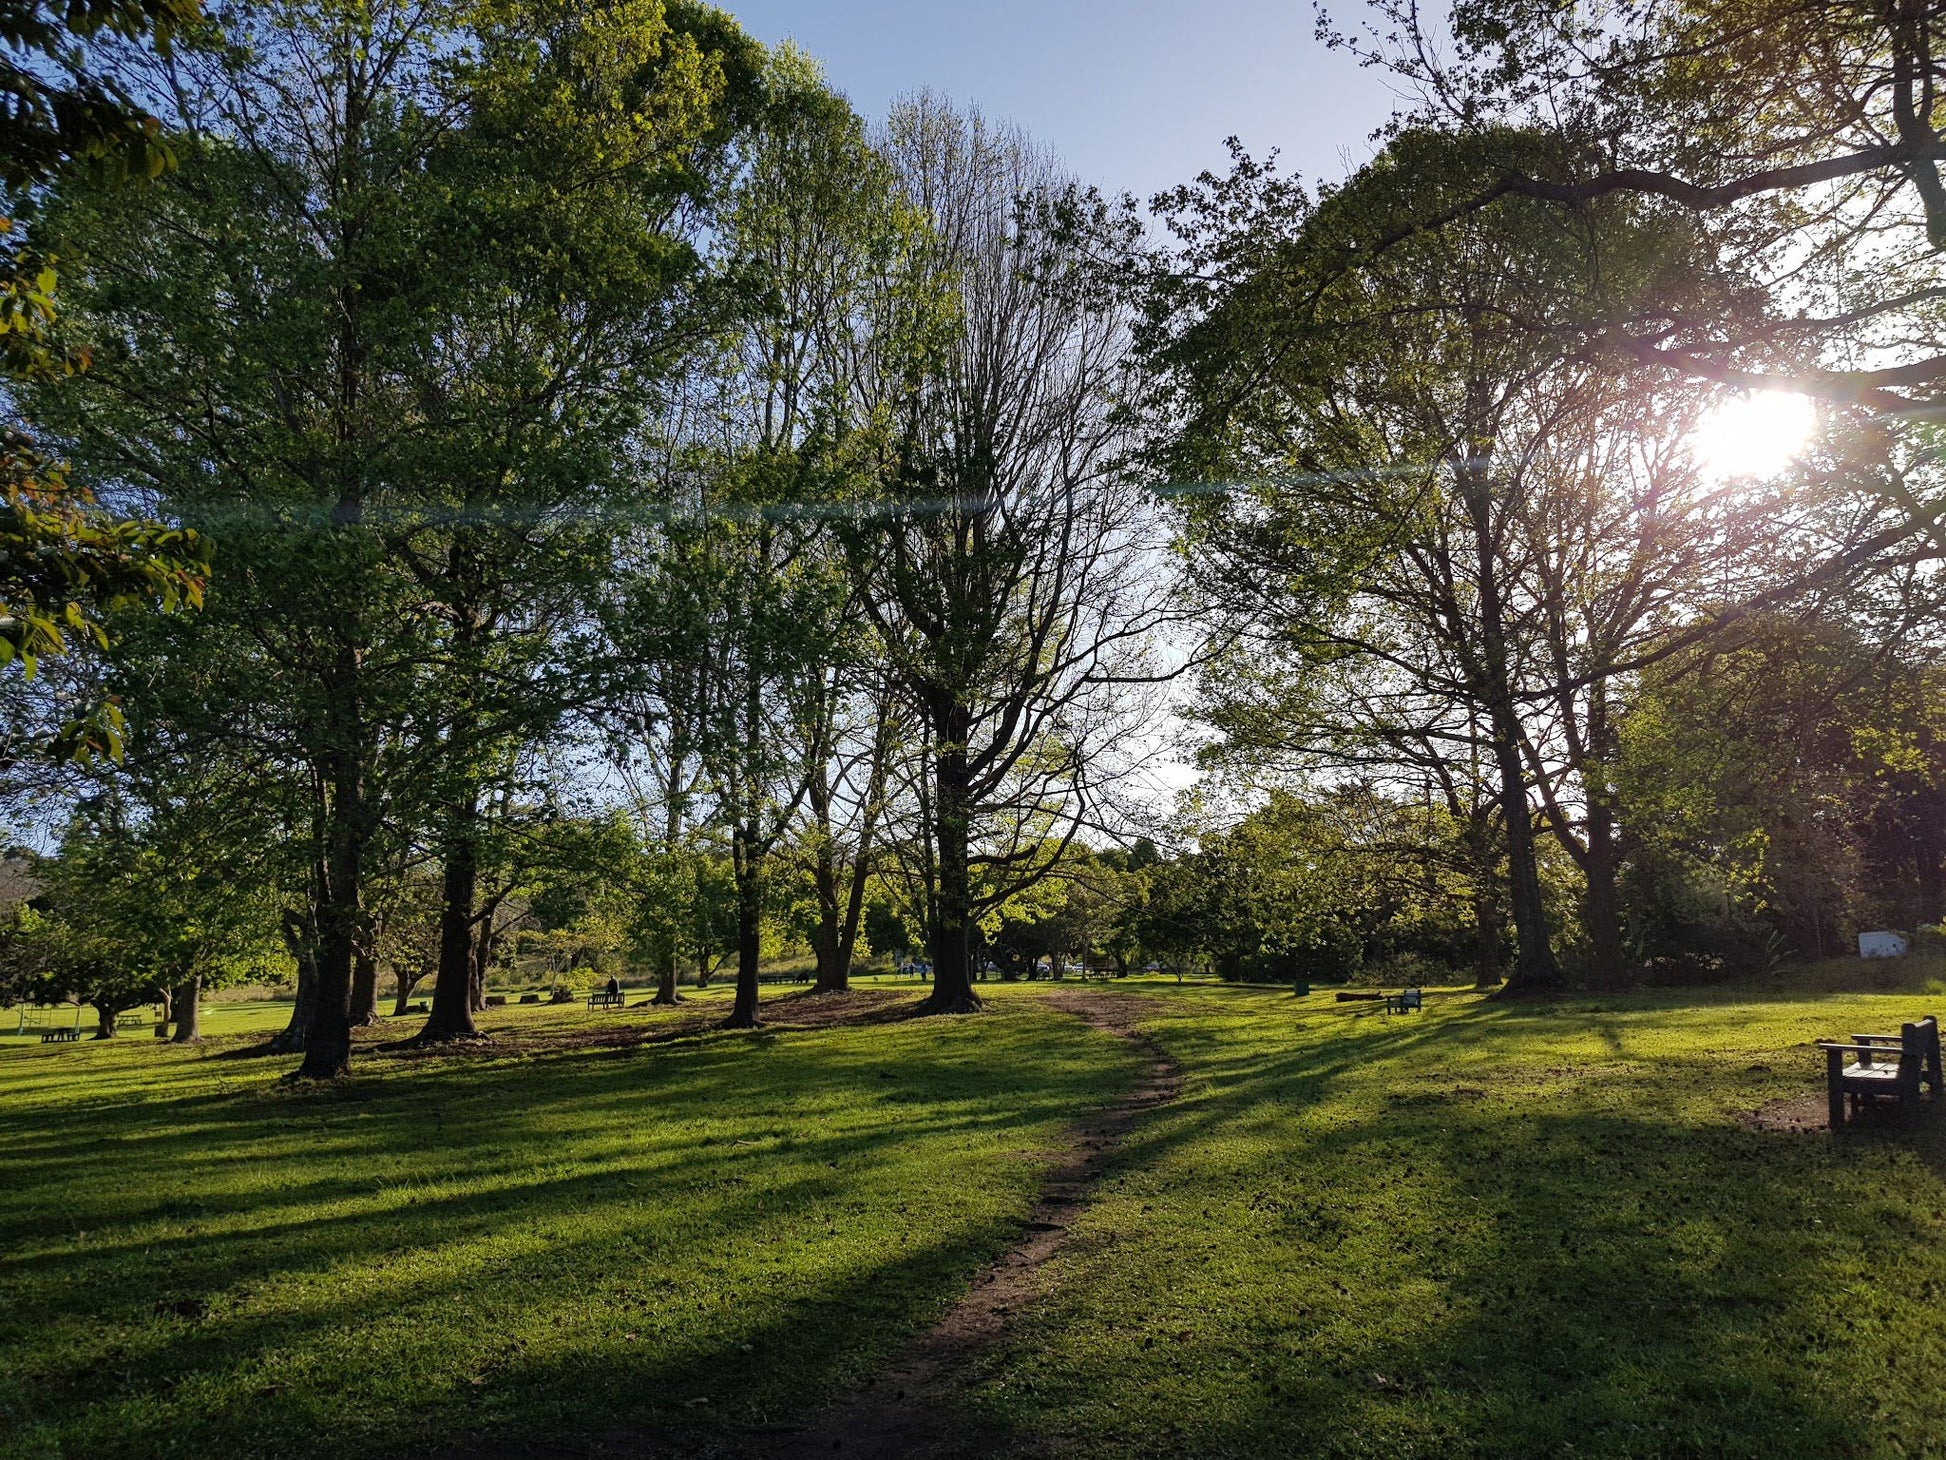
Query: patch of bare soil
[
  {"x": 1808, "y": 1114},
  {"x": 1793, "y": 1113},
  {"x": 909, "y": 1410}
]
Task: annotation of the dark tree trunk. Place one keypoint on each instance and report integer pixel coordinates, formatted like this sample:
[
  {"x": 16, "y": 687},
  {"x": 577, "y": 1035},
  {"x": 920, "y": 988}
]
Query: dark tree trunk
[
  {"x": 1929, "y": 862},
  {"x": 187, "y": 1001},
  {"x": 854, "y": 906},
  {"x": 665, "y": 982},
  {"x": 833, "y": 972},
  {"x": 364, "y": 986},
  {"x": 302, "y": 943},
  {"x": 452, "y": 990},
  {"x": 105, "y": 1016},
  {"x": 406, "y": 981},
  {"x": 952, "y": 954},
  {"x": 1600, "y": 904},
  {"x": 1487, "y": 927},
  {"x": 327, "y": 1042},
  {"x": 327, "y": 1045},
  {"x": 750, "y": 907},
  {"x": 1489, "y": 912},
  {"x": 1535, "y": 971},
  {"x": 838, "y": 922},
  {"x": 483, "y": 955}
]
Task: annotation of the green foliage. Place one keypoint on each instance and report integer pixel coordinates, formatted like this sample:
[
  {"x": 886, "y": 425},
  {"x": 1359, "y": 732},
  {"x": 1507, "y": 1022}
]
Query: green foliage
[
  {"x": 124, "y": 914},
  {"x": 67, "y": 563},
  {"x": 1786, "y": 791}
]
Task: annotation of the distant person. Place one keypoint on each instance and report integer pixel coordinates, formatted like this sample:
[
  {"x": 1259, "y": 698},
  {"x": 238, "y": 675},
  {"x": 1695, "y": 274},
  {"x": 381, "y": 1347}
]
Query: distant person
[{"x": 614, "y": 987}]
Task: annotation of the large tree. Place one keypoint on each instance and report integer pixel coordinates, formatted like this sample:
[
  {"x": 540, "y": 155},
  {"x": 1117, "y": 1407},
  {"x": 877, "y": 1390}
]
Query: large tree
[
  {"x": 1005, "y": 555},
  {"x": 384, "y": 326}
]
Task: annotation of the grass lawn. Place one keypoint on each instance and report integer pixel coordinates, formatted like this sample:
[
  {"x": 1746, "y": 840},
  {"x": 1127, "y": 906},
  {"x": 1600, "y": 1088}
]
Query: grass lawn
[
  {"x": 1492, "y": 1230},
  {"x": 543, "y": 1241},
  {"x": 1496, "y": 1230}
]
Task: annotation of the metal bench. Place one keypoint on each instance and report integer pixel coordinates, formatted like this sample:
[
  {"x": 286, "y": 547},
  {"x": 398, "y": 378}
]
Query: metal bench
[{"x": 1882, "y": 1065}]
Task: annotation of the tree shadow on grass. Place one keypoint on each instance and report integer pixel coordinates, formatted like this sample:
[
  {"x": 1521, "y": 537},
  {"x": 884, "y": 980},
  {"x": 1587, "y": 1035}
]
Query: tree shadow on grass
[
  {"x": 512, "y": 1248},
  {"x": 1358, "y": 1245}
]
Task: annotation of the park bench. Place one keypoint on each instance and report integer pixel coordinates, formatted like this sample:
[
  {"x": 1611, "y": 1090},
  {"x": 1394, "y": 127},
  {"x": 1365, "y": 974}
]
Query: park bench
[
  {"x": 602, "y": 999},
  {"x": 59, "y": 1036},
  {"x": 1893, "y": 1065},
  {"x": 1405, "y": 1001}
]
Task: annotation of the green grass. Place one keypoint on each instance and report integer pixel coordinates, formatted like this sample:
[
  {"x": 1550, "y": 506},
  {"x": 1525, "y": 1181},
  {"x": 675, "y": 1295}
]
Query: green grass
[
  {"x": 1495, "y": 1230},
  {"x": 1485, "y": 1230},
  {"x": 688, "y": 1235}
]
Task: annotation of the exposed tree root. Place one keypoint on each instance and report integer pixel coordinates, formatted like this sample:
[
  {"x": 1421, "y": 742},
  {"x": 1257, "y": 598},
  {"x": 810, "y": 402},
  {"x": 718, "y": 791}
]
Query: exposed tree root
[{"x": 966, "y": 1003}]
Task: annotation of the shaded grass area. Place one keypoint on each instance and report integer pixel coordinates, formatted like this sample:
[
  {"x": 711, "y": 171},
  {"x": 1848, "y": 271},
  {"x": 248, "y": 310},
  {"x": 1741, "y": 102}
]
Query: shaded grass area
[
  {"x": 536, "y": 1239},
  {"x": 1497, "y": 1230}
]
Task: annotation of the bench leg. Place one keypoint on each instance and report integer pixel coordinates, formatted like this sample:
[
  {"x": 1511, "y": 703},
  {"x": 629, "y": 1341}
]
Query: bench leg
[{"x": 1834, "y": 1071}]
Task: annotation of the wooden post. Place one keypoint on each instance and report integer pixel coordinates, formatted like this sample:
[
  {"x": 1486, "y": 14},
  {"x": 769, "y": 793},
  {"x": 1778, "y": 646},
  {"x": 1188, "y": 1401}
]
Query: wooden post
[{"x": 1834, "y": 1069}]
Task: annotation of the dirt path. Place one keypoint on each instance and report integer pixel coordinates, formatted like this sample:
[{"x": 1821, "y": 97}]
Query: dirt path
[{"x": 908, "y": 1410}]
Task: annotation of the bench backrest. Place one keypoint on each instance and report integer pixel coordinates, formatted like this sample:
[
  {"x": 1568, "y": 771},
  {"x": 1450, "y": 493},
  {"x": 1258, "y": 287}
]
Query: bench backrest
[
  {"x": 1918, "y": 1053},
  {"x": 1922, "y": 1040}
]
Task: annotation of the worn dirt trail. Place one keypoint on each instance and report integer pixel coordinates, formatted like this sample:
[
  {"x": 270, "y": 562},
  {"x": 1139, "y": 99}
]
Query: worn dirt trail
[{"x": 908, "y": 1411}]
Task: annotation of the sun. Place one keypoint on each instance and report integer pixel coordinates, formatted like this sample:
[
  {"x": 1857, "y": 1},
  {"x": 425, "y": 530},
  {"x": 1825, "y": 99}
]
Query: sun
[{"x": 1755, "y": 435}]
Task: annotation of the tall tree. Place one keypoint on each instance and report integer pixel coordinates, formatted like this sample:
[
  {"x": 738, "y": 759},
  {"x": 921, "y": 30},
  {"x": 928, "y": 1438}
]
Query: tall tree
[
  {"x": 1005, "y": 558},
  {"x": 337, "y": 336}
]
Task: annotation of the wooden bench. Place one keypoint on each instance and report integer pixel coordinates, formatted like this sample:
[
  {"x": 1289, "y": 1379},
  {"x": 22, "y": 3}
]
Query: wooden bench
[
  {"x": 602, "y": 999},
  {"x": 1405, "y": 1001},
  {"x": 59, "y": 1036},
  {"x": 1895, "y": 1065}
]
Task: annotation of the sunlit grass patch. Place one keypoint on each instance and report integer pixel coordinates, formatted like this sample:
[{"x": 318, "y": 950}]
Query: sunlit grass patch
[
  {"x": 1493, "y": 1230},
  {"x": 707, "y": 1233}
]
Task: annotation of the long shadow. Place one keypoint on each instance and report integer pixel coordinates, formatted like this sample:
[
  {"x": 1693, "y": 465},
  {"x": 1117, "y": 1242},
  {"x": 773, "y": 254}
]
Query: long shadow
[
  {"x": 1404, "y": 1258},
  {"x": 210, "y": 1286}
]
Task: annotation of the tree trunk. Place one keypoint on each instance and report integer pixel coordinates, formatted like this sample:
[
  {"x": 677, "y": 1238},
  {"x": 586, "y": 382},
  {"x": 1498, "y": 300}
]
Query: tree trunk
[
  {"x": 364, "y": 986},
  {"x": 665, "y": 983},
  {"x": 1535, "y": 971},
  {"x": 187, "y": 1002},
  {"x": 833, "y": 974},
  {"x": 1600, "y": 903},
  {"x": 327, "y": 1044},
  {"x": 952, "y": 962},
  {"x": 302, "y": 943},
  {"x": 105, "y": 1016},
  {"x": 406, "y": 982},
  {"x": 452, "y": 990},
  {"x": 750, "y": 906},
  {"x": 168, "y": 1012},
  {"x": 1487, "y": 924},
  {"x": 483, "y": 943},
  {"x": 854, "y": 905}
]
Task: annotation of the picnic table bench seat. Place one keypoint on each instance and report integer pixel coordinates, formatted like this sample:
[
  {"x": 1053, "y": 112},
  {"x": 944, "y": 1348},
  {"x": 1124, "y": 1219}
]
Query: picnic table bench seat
[{"x": 1881, "y": 1065}]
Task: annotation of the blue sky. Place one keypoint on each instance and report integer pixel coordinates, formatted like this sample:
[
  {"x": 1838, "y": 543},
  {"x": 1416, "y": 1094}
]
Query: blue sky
[{"x": 1133, "y": 94}]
